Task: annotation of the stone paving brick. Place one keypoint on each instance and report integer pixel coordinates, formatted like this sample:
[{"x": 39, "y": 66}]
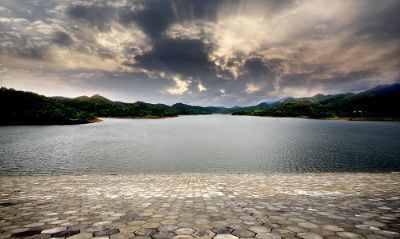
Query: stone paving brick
[
  {"x": 54, "y": 230},
  {"x": 222, "y": 230},
  {"x": 201, "y": 205},
  {"x": 225, "y": 236},
  {"x": 146, "y": 231},
  {"x": 204, "y": 234},
  {"x": 26, "y": 233},
  {"x": 308, "y": 225},
  {"x": 163, "y": 235},
  {"x": 40, "y": 236},
  {"x": 106, "y": 232},
  {"x": 333, "y": 228},
  {"x": 259, "y": 229},
  {"x": 350, "y": 235},
  {"x": 184, "y": 231},
  {"x": 243, "y": 233},
  {"x": 66, "y": 233},
  {"x": 81, "y": 236},
  {"x": 267, "y": 236},
  {"x": 305, "y": 235}
]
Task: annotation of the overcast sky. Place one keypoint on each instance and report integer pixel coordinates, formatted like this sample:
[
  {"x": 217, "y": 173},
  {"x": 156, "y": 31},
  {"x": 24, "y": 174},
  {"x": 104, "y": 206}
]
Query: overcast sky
[{"x": 209, "y": 52}]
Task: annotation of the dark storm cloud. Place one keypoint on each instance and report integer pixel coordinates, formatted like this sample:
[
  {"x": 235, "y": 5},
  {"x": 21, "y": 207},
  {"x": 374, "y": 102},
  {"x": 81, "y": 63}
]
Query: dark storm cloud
[
  {"x": 347, "y": 81},
  {"x": 33, "y": 53},
  {"x": 380, "y": 24},
  {"x": 157, "y": 16},
  {"x": 184, "y": 56},
  {"x": 153, "y": 19},
  {"x": 197, "y": 9},
  {"x": 62, "y": 39},
  {"x": 279, "y": 6},
  {"x": 258, "y": 67},
  {"x": 24, "y": 47},
  {"x": 261, "y": 73},
  {"x": 98, "y": 16},
  {"x": 30, "y": 10},
  {"x": 255, "y": 67},
  {"x": 213, "y": 51},
  {"x": 351, "y": 81}
]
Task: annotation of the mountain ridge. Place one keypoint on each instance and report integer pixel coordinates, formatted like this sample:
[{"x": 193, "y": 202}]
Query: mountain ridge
[
  {"x": 20, "y": 107},
  {"x": 376, "y": 102}
]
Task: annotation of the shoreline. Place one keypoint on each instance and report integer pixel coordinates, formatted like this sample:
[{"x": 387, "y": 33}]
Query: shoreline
[
  {"x": 127, "y": 117},
  {"x": 373, "y": 119},
  {"x": 98, "y": 119},
  {"x": 380, "y": 119}
]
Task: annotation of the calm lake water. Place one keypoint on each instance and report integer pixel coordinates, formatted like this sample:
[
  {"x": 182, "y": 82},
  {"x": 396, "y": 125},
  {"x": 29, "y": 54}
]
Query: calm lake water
[{"x": 202, "y": 143}]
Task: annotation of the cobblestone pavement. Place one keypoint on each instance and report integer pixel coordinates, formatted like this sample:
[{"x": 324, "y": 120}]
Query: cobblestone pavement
[{"x": 201, "y": 205}]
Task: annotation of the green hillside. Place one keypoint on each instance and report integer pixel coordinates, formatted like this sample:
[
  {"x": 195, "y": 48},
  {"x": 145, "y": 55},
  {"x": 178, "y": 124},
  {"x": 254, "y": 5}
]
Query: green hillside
[
  {"x": 379, "y": 102},
  {"x": 19, "y": 107}
]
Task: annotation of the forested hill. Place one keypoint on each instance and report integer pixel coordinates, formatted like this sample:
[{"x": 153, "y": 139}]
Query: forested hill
[
  {"x": 379, "y": 103},
  {"x": 19, "y": 107}
]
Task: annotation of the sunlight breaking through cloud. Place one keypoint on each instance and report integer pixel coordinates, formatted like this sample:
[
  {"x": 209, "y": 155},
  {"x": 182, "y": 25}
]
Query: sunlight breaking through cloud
[{"x": 255, "y": 50}]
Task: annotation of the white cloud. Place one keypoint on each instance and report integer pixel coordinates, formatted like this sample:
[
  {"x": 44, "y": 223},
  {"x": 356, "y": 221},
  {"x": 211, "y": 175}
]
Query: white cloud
[
  {"x": 120, "y": 38},
  {"x": 201, "y": 87},
  {"x": 251, "y": 88},
  {"x": 312, "y": 37},
  {"x": 223, "y": 92},
  {"x": 3, "y": 69},
  {"x": 4, "y": 19},
  {"x": 181, "y": 87}
]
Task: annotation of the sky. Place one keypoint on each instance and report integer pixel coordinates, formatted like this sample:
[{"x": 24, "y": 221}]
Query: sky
[{"x": 209, "y": 52}]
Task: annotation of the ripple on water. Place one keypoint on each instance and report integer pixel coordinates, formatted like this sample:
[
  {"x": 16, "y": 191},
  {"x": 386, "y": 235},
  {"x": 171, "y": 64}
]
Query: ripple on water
[{"x": 202, "y": 143}]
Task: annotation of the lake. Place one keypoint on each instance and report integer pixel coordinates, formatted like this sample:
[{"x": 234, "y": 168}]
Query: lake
[{"x": 205, "y": 143}]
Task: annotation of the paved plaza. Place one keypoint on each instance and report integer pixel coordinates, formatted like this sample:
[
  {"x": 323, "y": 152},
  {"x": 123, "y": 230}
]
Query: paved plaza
[{"x": 201, "y": 205}]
